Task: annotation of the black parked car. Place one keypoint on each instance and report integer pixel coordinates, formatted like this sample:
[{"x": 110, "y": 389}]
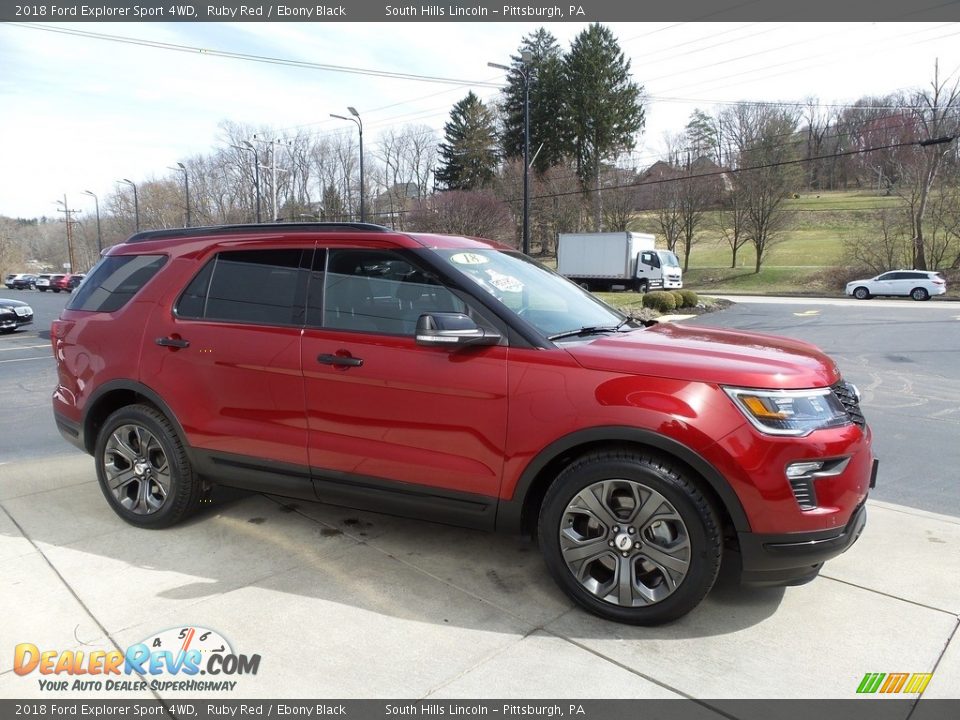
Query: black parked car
[
  {"x": 14, "y": 314},
  {"x": 20, "y": 281}
]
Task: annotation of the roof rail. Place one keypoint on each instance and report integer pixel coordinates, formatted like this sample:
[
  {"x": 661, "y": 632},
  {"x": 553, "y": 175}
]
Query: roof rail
[{"x": 191, "y": 232}]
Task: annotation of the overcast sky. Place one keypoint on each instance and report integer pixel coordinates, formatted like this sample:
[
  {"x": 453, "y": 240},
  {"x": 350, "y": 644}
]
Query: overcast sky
[{"x": 79, "y": 112}]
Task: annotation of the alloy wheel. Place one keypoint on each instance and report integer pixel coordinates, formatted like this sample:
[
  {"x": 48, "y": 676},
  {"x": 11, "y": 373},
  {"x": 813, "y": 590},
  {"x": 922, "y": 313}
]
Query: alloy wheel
[
  {"x": 625, "y": 543},
  {"x": 136, "y": 468}
]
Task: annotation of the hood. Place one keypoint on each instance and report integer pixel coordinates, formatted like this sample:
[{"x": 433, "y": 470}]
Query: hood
[
  {"x": 11, "y": 303},
  {"x": 722, "y": 357}
]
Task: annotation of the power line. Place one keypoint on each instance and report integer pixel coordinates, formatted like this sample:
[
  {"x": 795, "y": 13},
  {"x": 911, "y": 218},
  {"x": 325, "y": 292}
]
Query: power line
[
  {"x": 194, "y": 50},
  {"x": 737, "y": 171}
]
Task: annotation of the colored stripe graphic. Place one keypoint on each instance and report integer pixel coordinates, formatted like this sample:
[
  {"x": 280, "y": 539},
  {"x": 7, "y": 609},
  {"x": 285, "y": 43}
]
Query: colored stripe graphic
[
  {"x": 870, "y": 682},
  {"x": 892, "y": 683},
  {"x": 918, "y": 682},
  {"x": 895, "y": 682}
]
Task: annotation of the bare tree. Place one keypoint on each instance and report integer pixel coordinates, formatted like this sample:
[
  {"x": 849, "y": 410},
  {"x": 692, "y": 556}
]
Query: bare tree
[
  {"x": 732, "y": 220},
  {"x": 619, "y": 198},
  {"x": 936, "y": 113},
  {"x": 465, "y": 212},
  {"x": 558, "y": 207},
  {"x": 886, "y": 248},
  {"x": 766, "y": 169}
]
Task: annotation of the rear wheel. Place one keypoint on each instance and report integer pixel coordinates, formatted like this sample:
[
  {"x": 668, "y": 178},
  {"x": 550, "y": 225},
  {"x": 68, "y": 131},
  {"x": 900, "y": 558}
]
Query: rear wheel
[
  {"x": 919, "y": 294},
  {"x": 143, "y": 468},
  {"x": 630, "y": 538},
  {"x": 861, "y": 293}
]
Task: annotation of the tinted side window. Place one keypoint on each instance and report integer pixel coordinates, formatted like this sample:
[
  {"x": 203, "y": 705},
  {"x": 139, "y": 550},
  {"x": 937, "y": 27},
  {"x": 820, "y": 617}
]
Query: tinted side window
[
  {"x": 380, "y": 291},
  {"x": 252, "y": 286},
  {"x": 114, "y": 281}
]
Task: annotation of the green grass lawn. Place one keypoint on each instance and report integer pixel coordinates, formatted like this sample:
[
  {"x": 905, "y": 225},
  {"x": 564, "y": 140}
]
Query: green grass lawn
[{"x": 803, "y": 259}]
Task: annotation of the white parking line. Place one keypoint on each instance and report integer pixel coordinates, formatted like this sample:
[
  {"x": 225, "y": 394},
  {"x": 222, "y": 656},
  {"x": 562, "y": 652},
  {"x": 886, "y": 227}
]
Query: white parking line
[
  {"x": 38, "y": 357},
  {"x": 25, "y": 347}
]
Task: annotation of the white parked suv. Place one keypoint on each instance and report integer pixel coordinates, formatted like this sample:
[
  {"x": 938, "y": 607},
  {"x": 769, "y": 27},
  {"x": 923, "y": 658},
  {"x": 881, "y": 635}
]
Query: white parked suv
[{"x": 918, "y": 284}]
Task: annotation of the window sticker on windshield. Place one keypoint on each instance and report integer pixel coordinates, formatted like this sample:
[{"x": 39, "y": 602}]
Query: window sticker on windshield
[
  {"x": 504, "y": 283},
  {"x": 467, "y": 258}
]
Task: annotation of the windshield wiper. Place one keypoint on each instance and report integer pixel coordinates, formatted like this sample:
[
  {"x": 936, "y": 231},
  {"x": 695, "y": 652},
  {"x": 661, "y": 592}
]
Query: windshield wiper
[{"x": 590, "y": 330}]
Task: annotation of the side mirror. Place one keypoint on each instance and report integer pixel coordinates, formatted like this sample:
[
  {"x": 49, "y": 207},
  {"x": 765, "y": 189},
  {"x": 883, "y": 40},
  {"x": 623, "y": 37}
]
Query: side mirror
[{"x": 447, "y": 329}]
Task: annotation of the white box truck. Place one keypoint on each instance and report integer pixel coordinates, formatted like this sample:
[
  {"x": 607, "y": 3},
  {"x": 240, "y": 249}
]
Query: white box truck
[{"x": 617, "y": 261}]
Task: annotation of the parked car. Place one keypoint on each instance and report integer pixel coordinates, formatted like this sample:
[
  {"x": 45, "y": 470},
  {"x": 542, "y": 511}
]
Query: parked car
[
  {"x": 20, "y": 281},
  {"x": 45, "y": 280},
  {"x": 918, "y": 284},
  {"x": 67, "y": 282},
  {"x": 456, "y": 380},
  {"x": 14, "y": 314}
]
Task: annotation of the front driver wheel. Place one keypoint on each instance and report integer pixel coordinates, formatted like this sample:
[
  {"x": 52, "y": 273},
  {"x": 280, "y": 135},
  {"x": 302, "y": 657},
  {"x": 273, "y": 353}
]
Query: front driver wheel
[
  {"x": 143, "y": 468},
  {"x": 630, "y": 538}
]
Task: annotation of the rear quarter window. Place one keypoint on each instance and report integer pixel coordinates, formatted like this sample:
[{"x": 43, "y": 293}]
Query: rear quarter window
[{"x": 113, "y": 281}]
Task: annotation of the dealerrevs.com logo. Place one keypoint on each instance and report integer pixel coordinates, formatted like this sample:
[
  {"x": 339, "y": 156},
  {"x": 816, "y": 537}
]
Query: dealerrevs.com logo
[{"x": 185, "y": 658}]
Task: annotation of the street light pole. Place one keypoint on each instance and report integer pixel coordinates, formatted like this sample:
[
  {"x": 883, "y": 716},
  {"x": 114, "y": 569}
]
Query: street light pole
[
  {"x": 359, "y": 122},
  {"x": 524, "y": 70},
  {"x": 96, "y": 202},
  {"x": 186, "y": 188},
  {"x": 136, "y": 201}
]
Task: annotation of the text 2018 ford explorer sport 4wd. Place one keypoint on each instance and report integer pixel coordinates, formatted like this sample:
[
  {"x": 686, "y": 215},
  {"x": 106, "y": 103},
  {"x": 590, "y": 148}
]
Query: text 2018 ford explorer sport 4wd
[{"x": 453, "y": 379}]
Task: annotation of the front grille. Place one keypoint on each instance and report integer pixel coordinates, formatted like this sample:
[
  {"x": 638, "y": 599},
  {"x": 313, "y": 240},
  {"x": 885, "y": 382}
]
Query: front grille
[{"x": 848, "y": 397}]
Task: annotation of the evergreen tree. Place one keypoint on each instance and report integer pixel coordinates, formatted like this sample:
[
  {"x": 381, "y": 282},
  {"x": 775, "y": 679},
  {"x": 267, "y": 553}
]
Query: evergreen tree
[
  {"x": 703, "y": 136},
  {"x": 468, "y": 155},
  {"x": 547, "y": 129},
  {"x": 604, "y": 106},
  {"x": 332, "y": 207}
]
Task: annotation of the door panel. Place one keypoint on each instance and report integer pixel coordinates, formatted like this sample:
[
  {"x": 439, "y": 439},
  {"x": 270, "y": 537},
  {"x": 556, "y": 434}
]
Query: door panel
[
  {"x": 236, "y": 386},
  {"x": 390, "y": 408}
]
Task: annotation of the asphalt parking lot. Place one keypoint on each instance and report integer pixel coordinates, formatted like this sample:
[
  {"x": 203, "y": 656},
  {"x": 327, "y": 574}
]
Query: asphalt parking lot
[{"x": 346, "y": 604}]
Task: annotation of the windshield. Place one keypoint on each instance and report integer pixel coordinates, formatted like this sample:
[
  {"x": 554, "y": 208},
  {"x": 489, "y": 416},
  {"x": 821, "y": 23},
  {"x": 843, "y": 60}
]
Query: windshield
[
  {"x": 549, "y": 302},
  {"x": 668, "y": 259}
]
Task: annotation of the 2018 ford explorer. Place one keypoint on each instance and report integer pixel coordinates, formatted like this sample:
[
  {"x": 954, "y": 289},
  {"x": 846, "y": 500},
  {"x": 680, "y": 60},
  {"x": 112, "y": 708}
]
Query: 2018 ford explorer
[{"x": 455, "y": 380}]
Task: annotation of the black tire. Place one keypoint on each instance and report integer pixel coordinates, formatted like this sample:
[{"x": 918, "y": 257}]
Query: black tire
[
  {"x": 641, "y": 286},
  {"x": 43, "y": 289},
  {"x": 56, "y": 290},
  {"x": 919, "y": 294},
  {"x": 861, "y": 293},
  {"x": 666, "y": 504},
  {"x": 585, "y": 284},
  {"x": 139, "y": 453}
]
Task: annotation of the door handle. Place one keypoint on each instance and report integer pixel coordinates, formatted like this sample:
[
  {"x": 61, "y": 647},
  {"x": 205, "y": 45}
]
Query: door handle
[
  {"x": 172, "y": 342},
  {"x": 339, "y": 360}
]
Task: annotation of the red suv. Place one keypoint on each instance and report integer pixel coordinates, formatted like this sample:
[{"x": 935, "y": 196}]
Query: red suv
[
  {"x": 456, "y": 380},
  {"x": 66, "y": 282}
]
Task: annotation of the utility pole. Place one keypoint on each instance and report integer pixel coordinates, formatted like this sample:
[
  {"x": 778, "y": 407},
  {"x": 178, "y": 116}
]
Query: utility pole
[
  {"x": 249, "y": 147},
  {"x": 68, "y": 219},
  {"x": 273, "y": 169}
]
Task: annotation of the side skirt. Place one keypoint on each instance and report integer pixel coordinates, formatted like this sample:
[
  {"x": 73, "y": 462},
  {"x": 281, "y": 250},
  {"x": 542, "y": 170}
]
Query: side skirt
[{"x": 359, "y": 492}]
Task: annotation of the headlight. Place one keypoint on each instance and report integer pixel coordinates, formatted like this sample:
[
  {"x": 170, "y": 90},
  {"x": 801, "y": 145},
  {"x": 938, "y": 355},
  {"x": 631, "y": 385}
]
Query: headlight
[{"x": 790, "y": 412}]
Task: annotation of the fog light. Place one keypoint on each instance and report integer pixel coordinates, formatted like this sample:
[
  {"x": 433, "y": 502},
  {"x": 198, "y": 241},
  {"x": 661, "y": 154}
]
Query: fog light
[{"x": 803, "y": 469}]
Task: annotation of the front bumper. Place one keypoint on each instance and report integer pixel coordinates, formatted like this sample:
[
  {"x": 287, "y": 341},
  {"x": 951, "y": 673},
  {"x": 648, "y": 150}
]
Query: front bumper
[
  {"x": 12, "y": 322},
  {"x": 795, "y": 558}
]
